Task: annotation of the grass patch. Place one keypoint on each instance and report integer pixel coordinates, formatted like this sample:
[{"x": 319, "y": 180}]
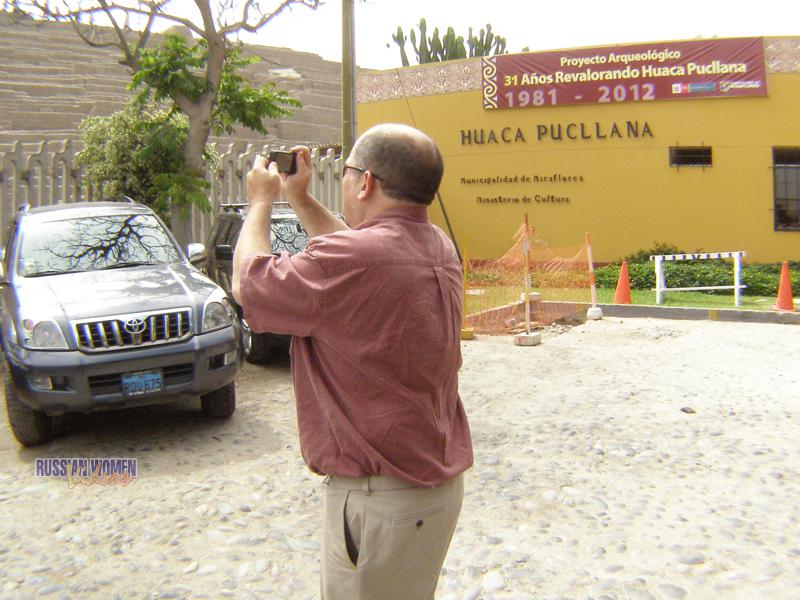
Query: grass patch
[
  {"x": 498, "y": 296},
  {"x": 690, "y": 299}
]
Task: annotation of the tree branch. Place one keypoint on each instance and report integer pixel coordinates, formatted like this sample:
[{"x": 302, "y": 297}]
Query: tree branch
[
  {"x": 152, "y": 10},
  {"x": 209, "y": 27},
  {"x": 243, "y": 25},
  {"x": 122, "y": 34}
]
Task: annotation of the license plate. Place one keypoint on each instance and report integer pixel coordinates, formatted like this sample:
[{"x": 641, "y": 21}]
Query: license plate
[{"x": 144, "y": 382}]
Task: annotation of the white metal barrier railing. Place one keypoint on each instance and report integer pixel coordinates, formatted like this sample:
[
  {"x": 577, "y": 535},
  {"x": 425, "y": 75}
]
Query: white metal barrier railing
[{"x": 661, "y": 283}]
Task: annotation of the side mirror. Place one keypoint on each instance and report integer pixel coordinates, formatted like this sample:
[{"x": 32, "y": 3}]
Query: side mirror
[
  {"x": 194, "y": 249},
  {"x": 196, "y": 253}
]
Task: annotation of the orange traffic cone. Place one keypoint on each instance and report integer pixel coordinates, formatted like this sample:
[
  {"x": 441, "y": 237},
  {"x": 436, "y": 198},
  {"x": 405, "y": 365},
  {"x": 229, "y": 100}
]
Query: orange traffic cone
[
  {"x": 784, "y": 301},
  {"x": 622, "y": 295}
]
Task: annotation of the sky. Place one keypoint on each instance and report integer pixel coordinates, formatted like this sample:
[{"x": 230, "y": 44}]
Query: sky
[{"x": 539, "y": 25}]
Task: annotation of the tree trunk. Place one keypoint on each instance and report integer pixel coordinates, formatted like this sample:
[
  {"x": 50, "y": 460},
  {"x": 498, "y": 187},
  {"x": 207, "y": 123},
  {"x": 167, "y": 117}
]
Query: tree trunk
[
  {"x": 181, "y": 228},
  {"x": 199, "y": 128},
  {"x": 199, "y": 112}
]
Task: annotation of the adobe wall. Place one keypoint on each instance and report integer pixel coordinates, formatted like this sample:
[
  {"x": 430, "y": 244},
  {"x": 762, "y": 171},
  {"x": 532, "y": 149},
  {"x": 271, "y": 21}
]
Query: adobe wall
[{"x": 50, "y": 80}]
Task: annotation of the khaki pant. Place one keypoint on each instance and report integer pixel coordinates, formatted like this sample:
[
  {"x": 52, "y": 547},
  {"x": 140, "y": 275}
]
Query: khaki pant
[{"x": 386, "y": 539}]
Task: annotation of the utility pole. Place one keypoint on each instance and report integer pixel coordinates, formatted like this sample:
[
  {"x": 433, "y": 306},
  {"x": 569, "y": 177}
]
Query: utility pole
[{"x": 348, "y": 78}]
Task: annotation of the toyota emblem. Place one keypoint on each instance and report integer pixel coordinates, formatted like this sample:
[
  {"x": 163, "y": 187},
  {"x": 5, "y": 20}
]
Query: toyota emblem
[{"x": 134, "y": 326}]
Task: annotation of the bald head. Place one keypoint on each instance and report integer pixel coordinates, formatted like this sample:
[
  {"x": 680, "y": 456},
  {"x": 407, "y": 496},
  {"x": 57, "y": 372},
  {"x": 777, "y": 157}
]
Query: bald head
[{"x": 405, "y": 161}]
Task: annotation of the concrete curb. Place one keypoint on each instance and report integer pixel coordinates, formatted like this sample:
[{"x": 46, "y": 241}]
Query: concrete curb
[
  {"x": 697, "y": 314},
  {"x": 644, "y": 311}
]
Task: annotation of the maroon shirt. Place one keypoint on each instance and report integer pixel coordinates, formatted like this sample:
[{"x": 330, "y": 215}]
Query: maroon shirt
[{"x": 376, "y": 315}]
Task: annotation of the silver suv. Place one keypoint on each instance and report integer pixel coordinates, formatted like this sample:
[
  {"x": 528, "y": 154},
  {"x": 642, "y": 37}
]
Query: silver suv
[{"x": 102, "y": 310}]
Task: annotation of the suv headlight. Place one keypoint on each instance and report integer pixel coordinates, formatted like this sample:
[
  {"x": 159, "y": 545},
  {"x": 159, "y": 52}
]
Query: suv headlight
[
  {"x": 217, "y": 312},
  {"x": 42, "y": 335}
]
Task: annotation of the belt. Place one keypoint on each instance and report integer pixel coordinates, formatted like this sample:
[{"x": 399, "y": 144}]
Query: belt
[{"x": 371, "y": 483}]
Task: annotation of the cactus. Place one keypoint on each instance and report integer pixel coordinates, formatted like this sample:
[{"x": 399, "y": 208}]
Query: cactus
[
  {"x": 423, "y": 51},
  {"x": 486, "y": 44},
  {"x": 400, "y": 39},
  {"x": 453, "y": 45},
  {"x": 437, "y": 51},
  {"x": 438, "y": 48},
  {"x": 471, "y": 42}
]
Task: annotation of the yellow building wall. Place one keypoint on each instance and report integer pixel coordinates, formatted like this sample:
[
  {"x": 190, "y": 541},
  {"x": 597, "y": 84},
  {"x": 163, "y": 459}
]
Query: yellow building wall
[{"x": 626, "y": 194}]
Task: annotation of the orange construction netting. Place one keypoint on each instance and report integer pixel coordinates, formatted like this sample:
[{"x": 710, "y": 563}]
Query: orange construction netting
[{"x": 494, "y": 290}]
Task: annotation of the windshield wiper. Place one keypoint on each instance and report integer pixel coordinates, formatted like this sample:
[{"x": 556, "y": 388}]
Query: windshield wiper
[
  {"x": 127, "y": 264},
  {"x": 43, "y": 273}
]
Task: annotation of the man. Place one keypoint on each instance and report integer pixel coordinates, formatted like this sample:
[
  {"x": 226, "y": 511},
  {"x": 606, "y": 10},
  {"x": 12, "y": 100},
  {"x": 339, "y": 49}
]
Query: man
[{"x": 375, "y": 314}]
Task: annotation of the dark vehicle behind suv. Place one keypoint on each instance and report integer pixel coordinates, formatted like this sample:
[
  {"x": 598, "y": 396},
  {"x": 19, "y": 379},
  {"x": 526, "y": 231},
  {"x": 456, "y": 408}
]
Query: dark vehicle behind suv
[
  {"x": 288, "y": 235},
  {"x": 101, "y": 310}
]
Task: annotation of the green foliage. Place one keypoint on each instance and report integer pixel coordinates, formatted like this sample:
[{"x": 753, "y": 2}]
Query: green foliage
[
  {"x": 641, "y": 275},
  {"x": 171, "y": 69},
  {"x": 176, "y": 69},
  {"x": 448, "y": 47},
  {"x": 760, "y": 279},
  {"x": 238, "y": 102},
  {"x": 138, "y": 152}
]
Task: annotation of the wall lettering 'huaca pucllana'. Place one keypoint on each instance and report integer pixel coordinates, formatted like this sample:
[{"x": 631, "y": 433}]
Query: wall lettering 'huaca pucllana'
[
  {"x": 557, "y": 132},
  {"x": 543, "y": 132}
]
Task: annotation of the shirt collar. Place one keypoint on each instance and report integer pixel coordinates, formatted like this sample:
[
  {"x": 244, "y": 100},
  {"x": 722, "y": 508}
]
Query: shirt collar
[{"x": 415, "y": 214}]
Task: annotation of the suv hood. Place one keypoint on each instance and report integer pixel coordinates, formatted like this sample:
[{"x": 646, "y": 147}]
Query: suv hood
[{"x": 117, "y": 291}]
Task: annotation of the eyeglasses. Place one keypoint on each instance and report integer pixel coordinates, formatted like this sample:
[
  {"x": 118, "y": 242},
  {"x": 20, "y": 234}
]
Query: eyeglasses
[{"x": 360, "y": 170}]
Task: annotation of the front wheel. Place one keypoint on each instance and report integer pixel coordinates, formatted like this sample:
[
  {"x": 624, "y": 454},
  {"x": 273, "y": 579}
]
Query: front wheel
[
  {"x": 30, "y": 427},
  {"x": 256, "y": 347},
  {"x": 220, "y": 403}
]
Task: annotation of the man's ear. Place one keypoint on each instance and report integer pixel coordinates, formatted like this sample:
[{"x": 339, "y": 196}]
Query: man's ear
[{"x": 368, "y": 186}]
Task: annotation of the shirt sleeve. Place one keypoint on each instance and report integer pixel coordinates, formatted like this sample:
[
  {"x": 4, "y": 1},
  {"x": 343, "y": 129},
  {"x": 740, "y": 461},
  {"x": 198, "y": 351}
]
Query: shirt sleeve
[{"x": 282, "y": 294}]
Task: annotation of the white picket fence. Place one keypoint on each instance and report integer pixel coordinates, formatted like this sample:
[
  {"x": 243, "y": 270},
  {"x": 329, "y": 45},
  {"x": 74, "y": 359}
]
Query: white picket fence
[{"x": 47, "y": 173}]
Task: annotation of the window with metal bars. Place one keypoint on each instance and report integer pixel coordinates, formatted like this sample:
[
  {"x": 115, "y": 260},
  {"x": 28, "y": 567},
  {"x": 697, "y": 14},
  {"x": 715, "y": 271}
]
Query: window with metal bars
[
  {"x": 690, "y": 156},
  {"x": 786, "y": 174}
]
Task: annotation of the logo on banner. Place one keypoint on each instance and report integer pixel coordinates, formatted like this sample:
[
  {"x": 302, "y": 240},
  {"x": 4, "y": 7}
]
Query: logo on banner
[
  {"x": 694, "y": 88},
  {"x": 726, "y": 86}
]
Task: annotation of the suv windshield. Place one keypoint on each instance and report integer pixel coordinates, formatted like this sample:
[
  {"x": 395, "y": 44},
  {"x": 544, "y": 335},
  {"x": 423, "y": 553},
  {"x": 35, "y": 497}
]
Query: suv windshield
[
  {"x": 288, "y": 236},
  {"x": 93, "y": 244}
]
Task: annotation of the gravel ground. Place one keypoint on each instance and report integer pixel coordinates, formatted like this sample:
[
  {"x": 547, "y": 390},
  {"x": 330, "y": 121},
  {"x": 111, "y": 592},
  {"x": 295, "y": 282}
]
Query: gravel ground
[{"x": 630, "y": 458}]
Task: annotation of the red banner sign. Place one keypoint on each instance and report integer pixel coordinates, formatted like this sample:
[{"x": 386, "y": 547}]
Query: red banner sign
[{"x": 635, "y": 73}]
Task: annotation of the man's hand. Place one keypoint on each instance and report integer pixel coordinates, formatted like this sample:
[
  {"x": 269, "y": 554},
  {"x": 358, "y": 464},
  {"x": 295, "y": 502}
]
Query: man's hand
[
  {"x": 316, "y": 219},
  {"x": 263, "y": 183},
  {"x": 295, "y": 187}
]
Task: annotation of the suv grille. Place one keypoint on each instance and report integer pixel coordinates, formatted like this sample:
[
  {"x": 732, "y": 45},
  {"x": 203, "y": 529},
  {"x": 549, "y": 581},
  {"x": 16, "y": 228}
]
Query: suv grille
[{"x": 133, "y": 331}]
